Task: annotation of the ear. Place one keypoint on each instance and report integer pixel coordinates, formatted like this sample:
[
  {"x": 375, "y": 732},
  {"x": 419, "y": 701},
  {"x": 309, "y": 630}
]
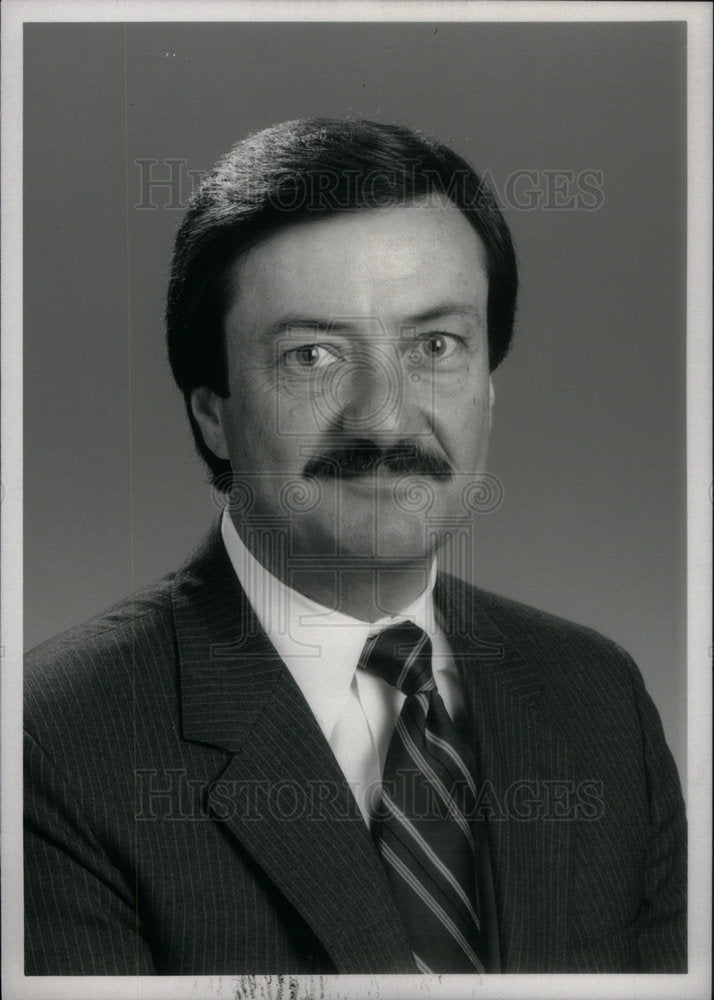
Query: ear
[
  {"x": 491, "y": 400},
  {"x": 208, "y": 413}
]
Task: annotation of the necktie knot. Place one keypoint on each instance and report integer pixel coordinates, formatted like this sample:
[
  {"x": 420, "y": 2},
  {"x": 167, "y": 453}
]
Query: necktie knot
[{"x": 401, "y": 656}]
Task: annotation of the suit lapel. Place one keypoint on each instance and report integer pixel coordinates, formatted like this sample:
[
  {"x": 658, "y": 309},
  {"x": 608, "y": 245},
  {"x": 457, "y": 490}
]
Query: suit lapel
[
  {"x": 291, "y": 807},
  {"x": 521, "y": 753}
]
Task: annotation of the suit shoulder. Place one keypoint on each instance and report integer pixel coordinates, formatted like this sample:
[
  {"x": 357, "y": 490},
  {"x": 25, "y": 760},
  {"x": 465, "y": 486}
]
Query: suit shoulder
[
  {"x": 535, "y": 621},
  {"x": 589, "y": 683},
  {"x": 542, "y": 635},
  {"x": 115, "y": 624},
  {"x": 95, "y": 658}
]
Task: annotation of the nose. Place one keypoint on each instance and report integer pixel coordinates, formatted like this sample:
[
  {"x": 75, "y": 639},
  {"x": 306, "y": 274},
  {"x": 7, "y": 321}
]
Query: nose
[{"x": 373, "y": 397}]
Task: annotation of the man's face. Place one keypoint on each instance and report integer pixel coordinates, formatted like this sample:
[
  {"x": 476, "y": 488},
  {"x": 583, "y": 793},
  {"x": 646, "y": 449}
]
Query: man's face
[{"x": 359, "y": 383}]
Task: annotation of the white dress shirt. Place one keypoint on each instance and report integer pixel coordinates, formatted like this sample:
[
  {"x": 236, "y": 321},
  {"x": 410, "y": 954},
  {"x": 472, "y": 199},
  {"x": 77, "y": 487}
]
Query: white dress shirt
[{"x": 321, "y": 647}]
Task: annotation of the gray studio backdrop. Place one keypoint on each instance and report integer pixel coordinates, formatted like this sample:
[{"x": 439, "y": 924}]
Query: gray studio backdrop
[{"x": 581, "y": 129}]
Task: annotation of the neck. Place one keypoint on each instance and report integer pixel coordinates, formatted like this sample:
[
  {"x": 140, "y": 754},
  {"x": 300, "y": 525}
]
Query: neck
[{"x": 361, "y": 587}]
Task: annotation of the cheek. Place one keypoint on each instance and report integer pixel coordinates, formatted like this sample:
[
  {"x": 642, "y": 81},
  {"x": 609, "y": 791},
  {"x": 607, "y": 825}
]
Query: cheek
[
  {"x": 481, "y": 407},
  {"x": 464, "y": 406},
  {"x": 264, "y": 434},
  {"x": 248, "y": 430}
]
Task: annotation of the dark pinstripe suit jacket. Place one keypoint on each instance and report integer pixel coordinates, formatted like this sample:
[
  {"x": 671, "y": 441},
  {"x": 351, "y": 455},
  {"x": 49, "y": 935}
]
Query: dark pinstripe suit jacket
[{"x": 185, "y": 814}]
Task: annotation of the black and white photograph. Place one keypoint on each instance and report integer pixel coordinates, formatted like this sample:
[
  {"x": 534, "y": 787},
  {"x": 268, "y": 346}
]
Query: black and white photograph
[{"x": 356, "y": 500}]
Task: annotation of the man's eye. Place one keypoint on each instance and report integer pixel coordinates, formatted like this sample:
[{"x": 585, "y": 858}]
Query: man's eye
[
  {"x": 309, "y": 356},
  {"x": 433, "y": 347}
]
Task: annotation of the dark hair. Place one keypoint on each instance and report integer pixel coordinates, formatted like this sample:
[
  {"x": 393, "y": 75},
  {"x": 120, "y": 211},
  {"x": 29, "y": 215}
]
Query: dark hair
[{"x": 292, "y": 172}]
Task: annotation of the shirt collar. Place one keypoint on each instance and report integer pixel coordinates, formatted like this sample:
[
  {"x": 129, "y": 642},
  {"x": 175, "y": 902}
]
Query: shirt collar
[{"x": 320, "y": 646}]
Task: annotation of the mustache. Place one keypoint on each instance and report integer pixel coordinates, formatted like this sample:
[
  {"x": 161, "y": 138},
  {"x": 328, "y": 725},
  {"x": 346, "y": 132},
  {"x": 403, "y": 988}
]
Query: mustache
[{"x": 360, "y": 456}]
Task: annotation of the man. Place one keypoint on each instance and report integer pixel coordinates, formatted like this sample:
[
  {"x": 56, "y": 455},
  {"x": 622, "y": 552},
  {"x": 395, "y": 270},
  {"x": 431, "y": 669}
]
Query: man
[{"x": 307, "y": 751}]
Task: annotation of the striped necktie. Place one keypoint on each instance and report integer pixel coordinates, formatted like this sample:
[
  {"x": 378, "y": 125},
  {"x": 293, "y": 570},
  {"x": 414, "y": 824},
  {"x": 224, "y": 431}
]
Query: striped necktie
[{"x": 422, "y": 831}]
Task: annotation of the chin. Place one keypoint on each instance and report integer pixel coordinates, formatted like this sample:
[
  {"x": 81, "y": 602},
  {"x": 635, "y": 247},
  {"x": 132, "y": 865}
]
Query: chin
[{"x": 391, "y": 540}]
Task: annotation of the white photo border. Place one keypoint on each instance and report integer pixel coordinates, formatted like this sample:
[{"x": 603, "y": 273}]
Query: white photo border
[{"x": 696, "y": 984}]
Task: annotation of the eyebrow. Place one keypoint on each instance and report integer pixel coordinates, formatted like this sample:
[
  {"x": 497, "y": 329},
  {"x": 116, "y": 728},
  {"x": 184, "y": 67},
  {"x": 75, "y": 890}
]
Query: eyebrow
[
  {"x": 441, "y": 311},
  {"x": 305, "y": 323}
]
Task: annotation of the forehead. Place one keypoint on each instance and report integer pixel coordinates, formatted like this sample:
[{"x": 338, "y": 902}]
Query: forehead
[{"x": 386, "y": 263}]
